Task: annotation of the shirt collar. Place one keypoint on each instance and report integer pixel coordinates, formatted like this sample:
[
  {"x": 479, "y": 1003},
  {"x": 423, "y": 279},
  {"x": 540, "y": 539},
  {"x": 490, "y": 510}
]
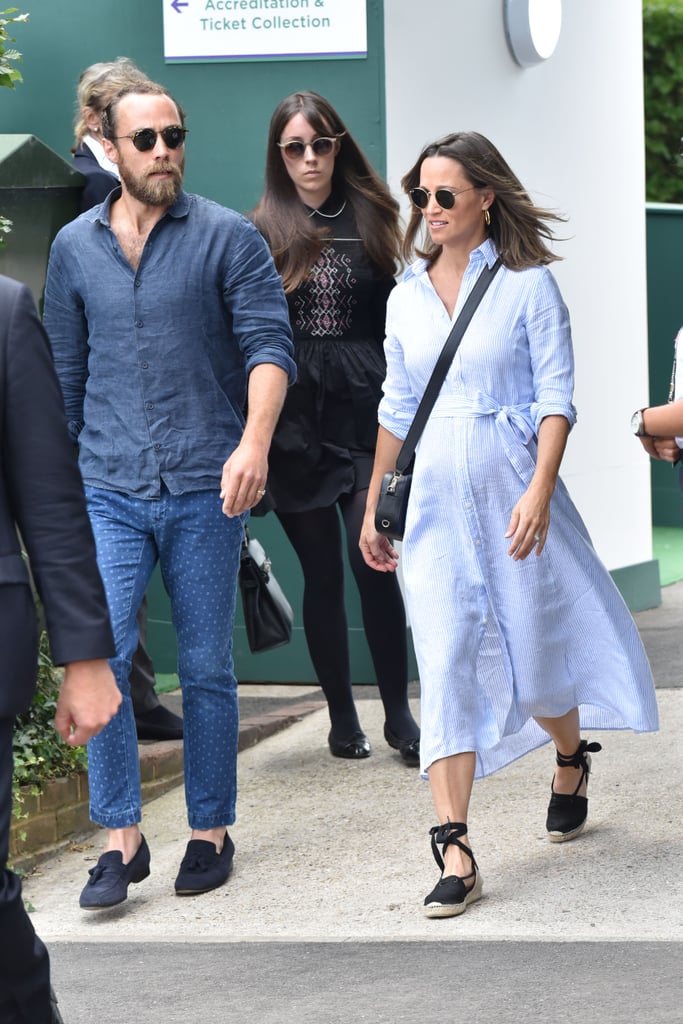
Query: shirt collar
[
  {"x": 97, "y": 150},
  {"x": 486, "y": 252},
  {"x": 180, "y": 208}
]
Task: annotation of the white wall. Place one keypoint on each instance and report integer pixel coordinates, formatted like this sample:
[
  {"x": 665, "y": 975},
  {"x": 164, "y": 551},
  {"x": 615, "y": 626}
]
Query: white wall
[{"x": 572, "y": 129}]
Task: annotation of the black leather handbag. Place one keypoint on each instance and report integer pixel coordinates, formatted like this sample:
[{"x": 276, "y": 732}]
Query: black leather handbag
[
  {"x": 268, "y": 615},
  {"x": 392, "y": 505}
]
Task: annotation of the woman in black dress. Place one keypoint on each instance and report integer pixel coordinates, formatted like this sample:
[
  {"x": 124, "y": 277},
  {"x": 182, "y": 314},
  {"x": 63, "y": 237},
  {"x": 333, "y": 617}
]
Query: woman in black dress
[{"x": 332, "y": 226}]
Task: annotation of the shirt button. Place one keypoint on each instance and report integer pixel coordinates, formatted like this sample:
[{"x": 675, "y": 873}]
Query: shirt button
[
  {"x": 150, "y": 405},
  {"x": 137, "y": 284},
  {"x": 157, "y": 447},
  {"x": 468, "y": 504},
  {"x": 138, "y": 323},
  {"x": 144, "y": 365}
]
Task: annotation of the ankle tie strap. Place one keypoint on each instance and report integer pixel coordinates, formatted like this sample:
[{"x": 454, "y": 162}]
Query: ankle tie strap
[
  {"x": 578, "y": 758},
  {"x": 449, "y": 835}
]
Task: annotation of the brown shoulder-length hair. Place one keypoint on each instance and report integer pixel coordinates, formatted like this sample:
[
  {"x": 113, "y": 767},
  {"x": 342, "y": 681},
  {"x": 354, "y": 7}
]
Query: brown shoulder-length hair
[
  {"x": 281, "y": 217},
  {"x": 517, "y": 226}
]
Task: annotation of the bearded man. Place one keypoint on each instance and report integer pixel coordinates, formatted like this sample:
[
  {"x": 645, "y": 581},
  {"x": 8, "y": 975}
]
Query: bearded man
[{"x": 166, "y": 316}]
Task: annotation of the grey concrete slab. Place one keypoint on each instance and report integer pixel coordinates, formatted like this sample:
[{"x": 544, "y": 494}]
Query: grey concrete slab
[
  {"x": 322, "y": 921},
  {"x": 339, "y": 850},
  {"x": 382, "y": 983},
  {"x": 661, "y": 630}
]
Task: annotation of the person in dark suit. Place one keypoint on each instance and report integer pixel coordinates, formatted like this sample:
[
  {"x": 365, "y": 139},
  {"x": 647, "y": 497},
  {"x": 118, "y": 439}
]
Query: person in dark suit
[
  {"x": 97, "y": 86},
  {"x": 41, "y": 496}
]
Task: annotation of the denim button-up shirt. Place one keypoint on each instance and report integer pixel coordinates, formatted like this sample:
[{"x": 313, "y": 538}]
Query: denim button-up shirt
[{"x": 153, "y": 362}]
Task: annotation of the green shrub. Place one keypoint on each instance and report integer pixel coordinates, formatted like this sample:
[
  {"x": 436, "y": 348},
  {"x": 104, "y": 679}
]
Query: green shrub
[
  {"x": 663, "y": 70},
  {"x": 8, "y": 77},
  {"x": 39, "y": 752}
]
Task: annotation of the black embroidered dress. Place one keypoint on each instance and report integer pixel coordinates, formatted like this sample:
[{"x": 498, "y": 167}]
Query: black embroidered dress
[{"x": 325, "y": 439}]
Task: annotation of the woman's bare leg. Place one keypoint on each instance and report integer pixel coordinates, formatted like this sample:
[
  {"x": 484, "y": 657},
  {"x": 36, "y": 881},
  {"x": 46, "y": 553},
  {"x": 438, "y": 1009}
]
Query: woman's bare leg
[
  {"x": 450, "y": 780},
  {"x": 565, "y": 733}
]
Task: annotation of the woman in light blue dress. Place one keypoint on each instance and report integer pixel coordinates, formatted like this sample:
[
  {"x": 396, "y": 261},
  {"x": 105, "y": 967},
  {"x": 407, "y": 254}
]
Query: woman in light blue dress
[{"x": 520, "y": 633}]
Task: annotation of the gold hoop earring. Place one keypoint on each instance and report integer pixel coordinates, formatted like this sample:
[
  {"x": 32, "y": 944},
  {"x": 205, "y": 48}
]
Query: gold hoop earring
[{"x": 487, "y": 218}]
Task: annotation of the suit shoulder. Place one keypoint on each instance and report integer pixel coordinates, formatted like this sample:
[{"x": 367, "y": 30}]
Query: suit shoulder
[{"x": 11, "y": 290}]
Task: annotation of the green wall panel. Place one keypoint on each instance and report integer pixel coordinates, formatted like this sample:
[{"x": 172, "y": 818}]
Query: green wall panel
[
  {"x": 228, "y": 108},
  {"x": 228, "y": 105},
  {"x": 665, "y": 316}
]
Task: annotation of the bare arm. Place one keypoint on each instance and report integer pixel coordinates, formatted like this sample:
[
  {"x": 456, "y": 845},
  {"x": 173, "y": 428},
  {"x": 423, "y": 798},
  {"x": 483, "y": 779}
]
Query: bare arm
[
  {"x": 245, "y": 472},
  {"x": 530, "y": 517},
  {"x": 663, "y": 423},
  {"x": 377, "y": 549},
  {"x": 88, "y": 699}
]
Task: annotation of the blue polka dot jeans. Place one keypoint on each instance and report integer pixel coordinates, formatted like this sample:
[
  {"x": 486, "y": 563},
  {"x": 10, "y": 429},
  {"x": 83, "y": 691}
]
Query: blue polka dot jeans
[{"x": 198, "y": 549}]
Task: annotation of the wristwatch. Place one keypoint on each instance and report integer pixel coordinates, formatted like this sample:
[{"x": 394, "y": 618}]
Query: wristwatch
[{"x": 638, "y": 424}]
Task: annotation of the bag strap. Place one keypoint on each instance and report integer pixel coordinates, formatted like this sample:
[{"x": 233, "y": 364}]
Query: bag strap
[{"x": 442, "y": 365}]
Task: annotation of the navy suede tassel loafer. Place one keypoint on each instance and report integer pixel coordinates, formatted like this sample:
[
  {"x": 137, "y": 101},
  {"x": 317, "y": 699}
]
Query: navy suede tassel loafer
[
  {"x": 110, "y": 878},
  {"x": 203, "y": 868}
]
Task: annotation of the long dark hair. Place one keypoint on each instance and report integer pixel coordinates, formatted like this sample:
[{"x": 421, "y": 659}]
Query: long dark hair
[
  {"x": 517, "y": 226},
  {"x": 281, "y": 217}
]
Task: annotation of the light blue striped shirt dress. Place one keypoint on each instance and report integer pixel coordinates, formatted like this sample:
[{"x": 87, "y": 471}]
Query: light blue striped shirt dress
[{"x": 499, "y": 641}]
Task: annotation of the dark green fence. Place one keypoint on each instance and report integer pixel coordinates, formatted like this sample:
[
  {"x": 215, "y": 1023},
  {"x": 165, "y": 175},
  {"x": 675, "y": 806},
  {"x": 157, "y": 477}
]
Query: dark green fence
[{"x": 665, "y": 316}]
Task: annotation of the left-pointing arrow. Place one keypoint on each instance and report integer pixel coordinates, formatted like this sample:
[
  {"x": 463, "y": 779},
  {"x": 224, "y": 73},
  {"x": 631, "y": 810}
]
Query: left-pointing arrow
[{"x": 177, "y": 4}]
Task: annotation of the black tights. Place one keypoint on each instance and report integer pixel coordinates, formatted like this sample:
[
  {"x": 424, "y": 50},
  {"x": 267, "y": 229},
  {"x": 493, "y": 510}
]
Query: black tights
[{"x": 316, "y": 538}]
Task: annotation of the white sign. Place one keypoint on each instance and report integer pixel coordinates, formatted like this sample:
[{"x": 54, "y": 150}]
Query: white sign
[{"x": 205, "y": 30}]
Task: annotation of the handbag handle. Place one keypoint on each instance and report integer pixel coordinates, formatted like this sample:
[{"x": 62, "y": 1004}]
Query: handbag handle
[{"x": 442, "y": 364}]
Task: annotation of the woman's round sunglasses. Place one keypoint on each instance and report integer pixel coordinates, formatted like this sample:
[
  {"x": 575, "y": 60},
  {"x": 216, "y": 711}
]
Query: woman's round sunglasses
[
  {"x": 146, "y": 138},
  {"x": 321, "y": 146},
  {"x": 445, "y": 197}
]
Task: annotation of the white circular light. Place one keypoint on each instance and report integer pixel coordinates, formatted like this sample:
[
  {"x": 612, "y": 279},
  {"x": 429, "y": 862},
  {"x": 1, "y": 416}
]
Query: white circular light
[{"x": 533, "y": 29}]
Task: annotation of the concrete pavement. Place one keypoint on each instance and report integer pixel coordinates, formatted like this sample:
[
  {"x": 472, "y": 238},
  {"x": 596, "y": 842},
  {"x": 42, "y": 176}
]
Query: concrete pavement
[{"x": 321, "y": 920}]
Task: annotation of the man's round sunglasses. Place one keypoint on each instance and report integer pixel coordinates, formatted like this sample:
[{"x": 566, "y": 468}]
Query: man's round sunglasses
[
  {"x": 445, "y": 197},
  {"x": 146, "y": 138},
  {"x": 321, "y": 146}
]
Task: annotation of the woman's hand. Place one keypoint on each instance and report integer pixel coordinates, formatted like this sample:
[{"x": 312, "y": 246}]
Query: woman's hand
[
  {"x": 530, "y": 518},
  {"x": 529, "y": 523},
  {"x": 377, "y": 549}
]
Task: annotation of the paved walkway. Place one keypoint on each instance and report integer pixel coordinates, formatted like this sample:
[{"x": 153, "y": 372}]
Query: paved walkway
[{"x": 321, "y": 920}]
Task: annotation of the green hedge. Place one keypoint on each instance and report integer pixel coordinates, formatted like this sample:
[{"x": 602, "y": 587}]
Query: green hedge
[{"x": 663, "y": 68}]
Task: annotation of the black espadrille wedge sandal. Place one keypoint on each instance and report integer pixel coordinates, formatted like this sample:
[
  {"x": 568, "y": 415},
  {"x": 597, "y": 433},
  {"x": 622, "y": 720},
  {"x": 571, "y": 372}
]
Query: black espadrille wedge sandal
[
  {"x": 567, "y": 812},
  {"x": 451, "y": 895}
]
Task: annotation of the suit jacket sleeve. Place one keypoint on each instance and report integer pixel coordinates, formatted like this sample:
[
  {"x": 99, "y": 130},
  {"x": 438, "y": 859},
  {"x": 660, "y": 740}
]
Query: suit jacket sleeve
[{"x": 44, "y": 488}]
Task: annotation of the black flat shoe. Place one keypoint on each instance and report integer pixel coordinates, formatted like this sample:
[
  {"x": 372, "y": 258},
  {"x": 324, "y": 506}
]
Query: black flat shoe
[
  {"x": 354, "y": 747},
  {"x": 450, "y": 896},
  {"x": 408, "y": 749},
  {"x": 110, "y": 878},
  {"x": 203, "y": 868},
  {"x": 159, "y": 724},
  {"x": 567, "y": 812}
]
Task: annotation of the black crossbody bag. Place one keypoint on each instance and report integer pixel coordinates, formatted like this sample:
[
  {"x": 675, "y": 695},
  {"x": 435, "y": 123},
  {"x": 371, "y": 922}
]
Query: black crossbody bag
[{"x": 390, "y": 514}]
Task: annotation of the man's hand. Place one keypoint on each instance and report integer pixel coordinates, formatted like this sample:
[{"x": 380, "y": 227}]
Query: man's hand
[
  {"x": 88, "y": 699},
  {"x": 667, "y": 449},
  {"x": 243, "y": 482}
]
